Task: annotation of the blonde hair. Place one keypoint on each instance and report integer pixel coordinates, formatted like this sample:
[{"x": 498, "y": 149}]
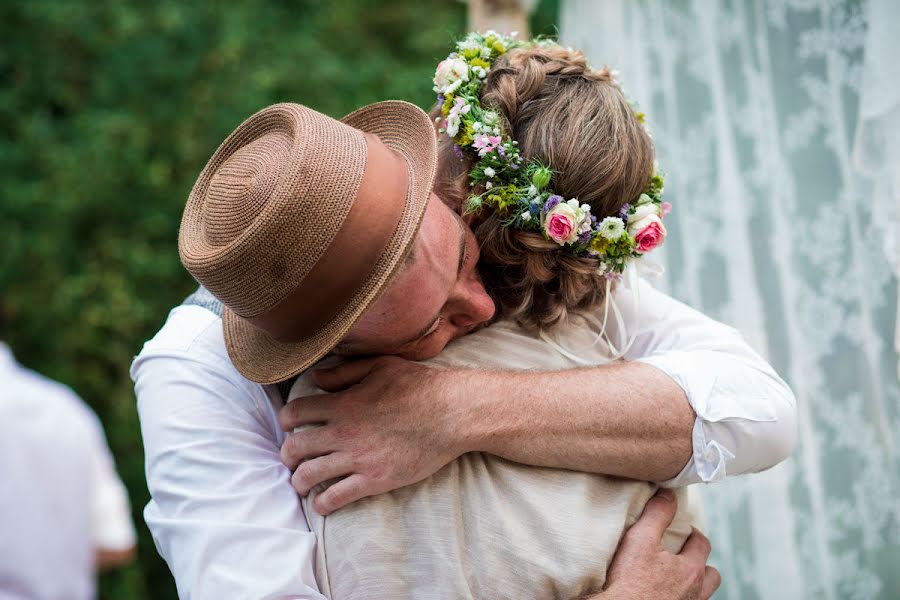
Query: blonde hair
[{"x": 574, "y": 119}]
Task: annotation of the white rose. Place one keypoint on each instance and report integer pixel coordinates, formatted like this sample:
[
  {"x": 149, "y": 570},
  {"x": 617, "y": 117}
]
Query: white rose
[
  {"x": 450, "y": 74},
  {"x": 642, "y": 211},
  {"x": 643, "y": 199},
  {"x": 638, "y": 226}
]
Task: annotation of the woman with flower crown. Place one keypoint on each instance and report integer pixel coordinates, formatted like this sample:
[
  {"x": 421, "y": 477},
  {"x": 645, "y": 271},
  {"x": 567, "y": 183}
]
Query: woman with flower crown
[{"x": 556, "y": 173}]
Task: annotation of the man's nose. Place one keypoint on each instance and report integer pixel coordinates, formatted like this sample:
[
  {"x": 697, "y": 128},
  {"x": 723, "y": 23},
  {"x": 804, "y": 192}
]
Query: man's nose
[{"x": 474, "y": 307}]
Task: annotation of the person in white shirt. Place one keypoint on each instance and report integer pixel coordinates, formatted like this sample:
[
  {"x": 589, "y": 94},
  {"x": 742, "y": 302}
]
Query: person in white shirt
[
  {"x": 64, "y": 513},
  {"x": 224, "y": 514}
]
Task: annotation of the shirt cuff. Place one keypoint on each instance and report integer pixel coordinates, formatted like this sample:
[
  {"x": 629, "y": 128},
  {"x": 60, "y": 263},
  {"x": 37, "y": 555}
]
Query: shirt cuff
[
  {"x": 708, "y": 463},
  {"x": 719, "y": 391}
]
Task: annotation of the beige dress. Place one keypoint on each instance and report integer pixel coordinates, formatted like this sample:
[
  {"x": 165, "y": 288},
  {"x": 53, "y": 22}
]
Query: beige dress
[{"x": 483, "y": 527}]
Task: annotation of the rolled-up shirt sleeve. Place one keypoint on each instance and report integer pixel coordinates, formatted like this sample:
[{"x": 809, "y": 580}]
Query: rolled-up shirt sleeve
[
  {"x": 223, "y": 513},
  {"x": 746, "y": 414}
]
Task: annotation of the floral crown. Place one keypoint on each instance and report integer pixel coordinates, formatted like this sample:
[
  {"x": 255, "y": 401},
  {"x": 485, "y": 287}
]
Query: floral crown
[{"x": 521, "y": 192}]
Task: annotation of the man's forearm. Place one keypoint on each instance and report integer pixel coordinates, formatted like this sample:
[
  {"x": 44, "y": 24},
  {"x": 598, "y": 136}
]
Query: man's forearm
[{"x": 626, "y": 419}]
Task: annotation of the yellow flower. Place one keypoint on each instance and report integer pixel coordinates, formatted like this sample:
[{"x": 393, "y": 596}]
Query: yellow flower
[
  {"x": 448, "y": 103},
  {"x": 498, "y": 47},
  {"x": 599, "y": 244},
  {"x": 641, "y": 117},
  {"x": 467, "y": 136},
  {"x": 471, "y": 53},
  {"x": 480, "y": 62}
]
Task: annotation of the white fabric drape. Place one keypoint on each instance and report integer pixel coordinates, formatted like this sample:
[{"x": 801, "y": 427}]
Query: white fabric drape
[{"x": 778, "y": 125}]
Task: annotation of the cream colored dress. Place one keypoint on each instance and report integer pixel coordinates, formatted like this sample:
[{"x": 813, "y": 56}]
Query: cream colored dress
[{"x": 483, "y": 527}]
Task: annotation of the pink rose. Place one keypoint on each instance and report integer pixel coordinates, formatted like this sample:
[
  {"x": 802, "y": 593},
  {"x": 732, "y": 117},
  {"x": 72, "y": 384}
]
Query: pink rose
[
  {"x": 650, "y": 236},
  {"x": 664, "y": 209},
  {"x": 560, "y": 224}
]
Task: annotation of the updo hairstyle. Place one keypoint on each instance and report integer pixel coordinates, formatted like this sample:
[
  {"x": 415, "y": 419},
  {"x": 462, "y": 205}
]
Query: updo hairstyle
[{"x": 578, "y": 122}]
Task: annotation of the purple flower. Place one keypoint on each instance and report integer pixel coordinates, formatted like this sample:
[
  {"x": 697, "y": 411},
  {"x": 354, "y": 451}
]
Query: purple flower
[
  {"x": 458, "y": 152},
  {"x": 585, "y": 237},
  {"x": 440, "y": 99},
  {"x": 623, "y": 212},
  {"x": 551, "y": 202},
  {"x": 501, "y": 152}
]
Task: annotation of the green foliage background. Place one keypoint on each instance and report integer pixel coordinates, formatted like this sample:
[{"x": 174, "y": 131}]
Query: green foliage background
[{"x": 108, "y": 111}]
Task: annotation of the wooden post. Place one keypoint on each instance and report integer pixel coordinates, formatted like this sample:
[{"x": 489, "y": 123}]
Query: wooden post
[{"x": 503, "y": 16}]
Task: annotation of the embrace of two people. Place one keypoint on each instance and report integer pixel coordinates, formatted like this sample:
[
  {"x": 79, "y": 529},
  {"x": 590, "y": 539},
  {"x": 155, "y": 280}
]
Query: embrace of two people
[{"x": 422, "y": 365}]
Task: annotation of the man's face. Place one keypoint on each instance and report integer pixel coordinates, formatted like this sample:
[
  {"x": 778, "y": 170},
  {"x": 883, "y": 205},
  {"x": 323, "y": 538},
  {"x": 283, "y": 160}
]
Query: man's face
[{"x": 435, "y": 298}]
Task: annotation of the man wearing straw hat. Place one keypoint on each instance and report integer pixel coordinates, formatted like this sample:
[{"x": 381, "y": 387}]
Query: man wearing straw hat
[{"x": 313, "y": 235}]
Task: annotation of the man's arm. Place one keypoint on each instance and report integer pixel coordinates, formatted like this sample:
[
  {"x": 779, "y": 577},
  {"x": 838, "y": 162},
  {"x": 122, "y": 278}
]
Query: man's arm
[
  {"x": 693, "y": 403},
  {"x": 112, "y": 530},
  {"x": 223, "y": 513}
]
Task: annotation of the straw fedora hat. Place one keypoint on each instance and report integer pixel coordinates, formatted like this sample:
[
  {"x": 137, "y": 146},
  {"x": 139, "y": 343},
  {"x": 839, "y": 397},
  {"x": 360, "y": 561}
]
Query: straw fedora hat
[{"x": 299, "y": 221}]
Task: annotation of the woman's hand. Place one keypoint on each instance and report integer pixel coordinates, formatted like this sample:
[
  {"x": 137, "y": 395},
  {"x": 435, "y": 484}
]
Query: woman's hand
[{"x": 643, "y": 570}]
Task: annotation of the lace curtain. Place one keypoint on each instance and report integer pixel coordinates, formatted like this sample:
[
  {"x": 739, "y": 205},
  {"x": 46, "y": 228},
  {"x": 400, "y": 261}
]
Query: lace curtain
[{"x": 778, "y": 125}]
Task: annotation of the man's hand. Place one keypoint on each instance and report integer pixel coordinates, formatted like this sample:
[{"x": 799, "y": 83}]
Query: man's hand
[
  {"x": 387, "y": 424},
  {"x": 642, "y": 569}
]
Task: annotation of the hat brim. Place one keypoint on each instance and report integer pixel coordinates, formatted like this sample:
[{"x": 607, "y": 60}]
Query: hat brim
[{"x": 403, "y": 127}]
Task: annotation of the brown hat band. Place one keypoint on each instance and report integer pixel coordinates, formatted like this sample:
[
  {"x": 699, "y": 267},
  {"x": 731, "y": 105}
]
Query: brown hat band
[{"x": 369, "y": 225}]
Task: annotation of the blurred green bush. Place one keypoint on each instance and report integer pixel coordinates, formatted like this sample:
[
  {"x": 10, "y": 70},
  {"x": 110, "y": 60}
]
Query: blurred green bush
[{"x": 108, "y": 111}]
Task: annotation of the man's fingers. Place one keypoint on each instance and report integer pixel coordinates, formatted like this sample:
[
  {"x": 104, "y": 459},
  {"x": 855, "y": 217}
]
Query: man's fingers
[
  {"x": 697, "y": 548},
  {"x": 656, "y": 518},
  {"x": 344, "y": 375},
  {"x": 305, "y": 411},
  {"x": 313, "y": 472},
  {"x": 341, "y": 494},
  {"x": 308, "y": 443},
  {"x": 711, "y": 582}
]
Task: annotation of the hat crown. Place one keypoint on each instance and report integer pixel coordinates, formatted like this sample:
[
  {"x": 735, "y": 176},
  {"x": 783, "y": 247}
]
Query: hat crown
[
  {"x": 239, "y": 191},
  {"x": 269, "y": 203}
]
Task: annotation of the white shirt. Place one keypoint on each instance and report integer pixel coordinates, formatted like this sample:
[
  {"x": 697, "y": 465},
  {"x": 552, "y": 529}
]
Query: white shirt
[
  {"x": 224, "y": 515},
  {"x": 60, "y": 497}
]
